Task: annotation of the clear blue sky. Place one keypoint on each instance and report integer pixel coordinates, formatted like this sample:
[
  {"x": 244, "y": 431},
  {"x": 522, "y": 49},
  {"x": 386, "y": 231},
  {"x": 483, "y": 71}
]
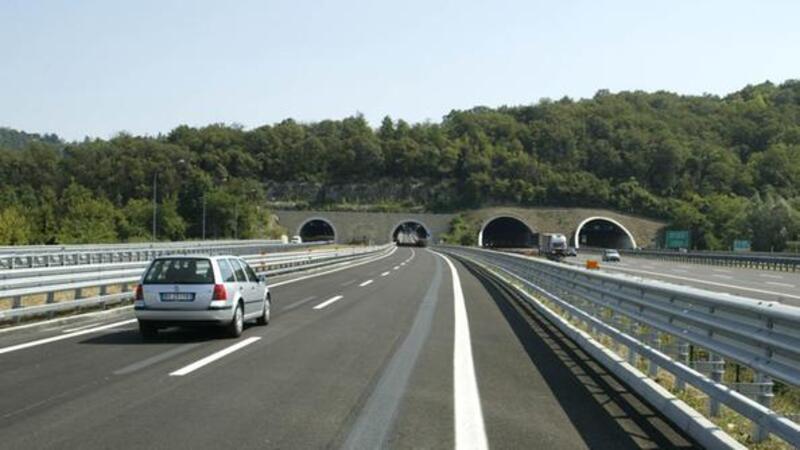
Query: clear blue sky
[{"x": 80, "y": 67}]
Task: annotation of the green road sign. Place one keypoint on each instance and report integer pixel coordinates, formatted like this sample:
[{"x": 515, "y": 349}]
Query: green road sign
[
  {"x": 741, "y": 245},
  {"x": 677, "y": 239}
]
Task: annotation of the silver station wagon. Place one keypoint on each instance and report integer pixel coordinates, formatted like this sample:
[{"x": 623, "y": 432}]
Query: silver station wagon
[{"x": 200, "y": 290}]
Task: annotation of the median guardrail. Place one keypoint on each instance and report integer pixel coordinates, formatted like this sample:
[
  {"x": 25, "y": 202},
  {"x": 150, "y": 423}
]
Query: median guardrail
[
  {"x": 655, "y": 323},
  {"x": 58, "y": 248},
  {"x": 765, "y": 261},
  {"x": 43, "y": 256},
  {"x": 26, "y": 297}
]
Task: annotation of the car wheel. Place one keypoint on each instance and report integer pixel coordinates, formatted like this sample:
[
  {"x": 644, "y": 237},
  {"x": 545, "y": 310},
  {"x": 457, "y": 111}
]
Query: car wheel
[
  {"x": 148, "y": 330},
  {"x": 265, "y": 312},
  {"x": 236, "y": 326}
]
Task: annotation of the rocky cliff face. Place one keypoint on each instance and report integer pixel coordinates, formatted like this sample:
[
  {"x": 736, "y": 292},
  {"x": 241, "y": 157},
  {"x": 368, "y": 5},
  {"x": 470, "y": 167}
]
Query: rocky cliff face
[{"x": 407, "y": 193}]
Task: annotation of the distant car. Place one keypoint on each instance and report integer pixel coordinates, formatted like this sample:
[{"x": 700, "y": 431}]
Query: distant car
[
  {"x": 200, "y": 290},
  {"x": 571, "y": 251},
  {"x": 611, "y": 255},
  {"x": 297, "y": 240}
]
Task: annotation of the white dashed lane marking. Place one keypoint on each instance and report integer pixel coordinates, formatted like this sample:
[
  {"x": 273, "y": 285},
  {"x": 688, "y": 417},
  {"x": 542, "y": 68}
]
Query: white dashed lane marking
[
  {"x": 328, "y": 302},
  {"x": 213, "y": 357},
  {"x": 766, "y": 275}
]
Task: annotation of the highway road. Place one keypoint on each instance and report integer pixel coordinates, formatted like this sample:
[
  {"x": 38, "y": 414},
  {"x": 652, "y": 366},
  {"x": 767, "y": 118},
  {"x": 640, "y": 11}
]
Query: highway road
[
  {"x": 773, "y": 285},
  {"x": 408, "y": 351}
]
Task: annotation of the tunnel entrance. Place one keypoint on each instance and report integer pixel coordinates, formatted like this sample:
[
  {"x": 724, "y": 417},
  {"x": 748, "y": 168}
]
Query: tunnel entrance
[
  {"x": 411, "y": 233},
  {"x": 601, "y": 232},
  {"x": 315, "y": 230},
  {"x": 507, "y": 232}
]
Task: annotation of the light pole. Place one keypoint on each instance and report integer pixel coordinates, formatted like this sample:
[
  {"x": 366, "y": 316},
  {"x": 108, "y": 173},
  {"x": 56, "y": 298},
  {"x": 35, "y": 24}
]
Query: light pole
[
  {"x": 204, "y": 215},
  {"x": 155, "y": 205}
]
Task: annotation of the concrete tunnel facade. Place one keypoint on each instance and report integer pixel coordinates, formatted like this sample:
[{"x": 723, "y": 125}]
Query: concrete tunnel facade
[{"x": 497, "y": 227}]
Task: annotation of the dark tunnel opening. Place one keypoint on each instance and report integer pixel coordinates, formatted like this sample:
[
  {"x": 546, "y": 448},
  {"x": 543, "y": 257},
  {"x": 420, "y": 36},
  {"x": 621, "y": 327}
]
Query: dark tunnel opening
[
  {"x": 508, "y": 232},
  {"x": 317, "y": 230},
  {"x": 601, "y": 233},
  {"x": 411, "y": 233}
]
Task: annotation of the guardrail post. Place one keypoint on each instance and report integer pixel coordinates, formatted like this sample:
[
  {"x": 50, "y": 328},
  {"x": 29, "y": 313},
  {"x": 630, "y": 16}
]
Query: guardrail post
[
  {"x": 765, "y": 395},
  {"x": 633, "y": 330},
  {"x": 655, "y": 342},
  {"x": 616, "y": 320},
  {"x": 717, "y": 371},
  {"x": 683, "y": 358},
  {"x": 596, "y": 312}
]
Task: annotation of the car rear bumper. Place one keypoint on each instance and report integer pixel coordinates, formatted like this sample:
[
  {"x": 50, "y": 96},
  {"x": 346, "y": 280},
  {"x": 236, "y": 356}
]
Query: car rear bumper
[{"x": 173, "y": 316}]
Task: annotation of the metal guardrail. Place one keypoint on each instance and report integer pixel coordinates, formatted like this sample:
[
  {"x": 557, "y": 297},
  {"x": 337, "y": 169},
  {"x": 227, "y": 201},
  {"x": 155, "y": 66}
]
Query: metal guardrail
[
  {"x": 22, "y": 278},
  {"x": 42, "y": 249},
  {"x": 277, "y": 264},
  {"x": 25, "y": 257},
  {"x": 658, "y": 322},
  {"x": 766, "y": 261}
]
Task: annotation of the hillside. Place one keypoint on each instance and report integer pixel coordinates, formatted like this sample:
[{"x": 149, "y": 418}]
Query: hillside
[
  {"x": 15, "y": 140},
  {"x": 724, "y": 167}
]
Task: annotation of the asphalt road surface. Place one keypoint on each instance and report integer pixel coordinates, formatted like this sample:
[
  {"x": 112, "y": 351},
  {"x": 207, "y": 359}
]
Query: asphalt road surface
[
  {"x": 384, "y": 354},
  {"x": 773, "y": 285}
]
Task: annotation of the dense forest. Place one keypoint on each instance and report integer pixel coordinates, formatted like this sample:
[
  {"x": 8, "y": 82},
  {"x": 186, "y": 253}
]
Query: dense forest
[
  {"x": 725, "y": 167},
  {"x": 13, "y": 139}
]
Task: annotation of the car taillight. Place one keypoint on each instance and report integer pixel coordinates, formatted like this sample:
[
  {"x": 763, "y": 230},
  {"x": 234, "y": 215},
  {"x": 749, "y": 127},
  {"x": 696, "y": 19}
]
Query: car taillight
[
  {"x": 219, "y": 292},
  {"x": 139, "y": 292}
]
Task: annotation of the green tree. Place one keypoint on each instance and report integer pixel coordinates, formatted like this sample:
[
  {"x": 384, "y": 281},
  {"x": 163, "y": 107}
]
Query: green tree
[
  {"x": 14, "y": 227},
  {"x": 85, "y": 218}
]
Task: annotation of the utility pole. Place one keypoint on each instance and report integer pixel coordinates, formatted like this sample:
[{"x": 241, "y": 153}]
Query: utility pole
[{"x": 155, "y": 206}]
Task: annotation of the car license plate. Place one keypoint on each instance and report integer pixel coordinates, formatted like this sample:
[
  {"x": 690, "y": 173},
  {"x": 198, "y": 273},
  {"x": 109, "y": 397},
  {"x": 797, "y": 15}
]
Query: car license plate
[{"x": 177, "y": 296}]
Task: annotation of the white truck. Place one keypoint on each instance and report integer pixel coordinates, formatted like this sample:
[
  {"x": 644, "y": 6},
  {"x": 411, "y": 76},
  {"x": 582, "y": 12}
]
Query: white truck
[{"x": 553, "y": 246}]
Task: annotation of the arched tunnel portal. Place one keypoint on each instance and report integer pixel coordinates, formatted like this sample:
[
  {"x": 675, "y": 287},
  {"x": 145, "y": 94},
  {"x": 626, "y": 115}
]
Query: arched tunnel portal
[
  {"x": 603, "y": 232},
  {"x": 507, "y": 232}
]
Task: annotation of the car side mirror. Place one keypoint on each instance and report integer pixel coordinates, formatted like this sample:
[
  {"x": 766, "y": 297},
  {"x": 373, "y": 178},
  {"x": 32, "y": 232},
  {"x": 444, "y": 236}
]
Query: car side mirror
[{"x": 262, "y": 279}]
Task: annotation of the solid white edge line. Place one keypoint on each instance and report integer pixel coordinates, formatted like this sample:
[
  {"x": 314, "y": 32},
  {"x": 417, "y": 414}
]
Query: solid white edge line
[
  {"x": 349, "y": 266},
  {"x": 366, "y": 283},
  {"x": 63, "y": 336},
  {"x": 213, "y": 357},
  {"x": 328, "y": 302},
  {"x": 62, "y": 320},
  {"x": 470, "y": 431}
]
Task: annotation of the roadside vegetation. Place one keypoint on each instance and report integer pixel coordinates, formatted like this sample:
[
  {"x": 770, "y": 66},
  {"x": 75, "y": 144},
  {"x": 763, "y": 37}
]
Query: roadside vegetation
[{"x": 723, "y": 167}]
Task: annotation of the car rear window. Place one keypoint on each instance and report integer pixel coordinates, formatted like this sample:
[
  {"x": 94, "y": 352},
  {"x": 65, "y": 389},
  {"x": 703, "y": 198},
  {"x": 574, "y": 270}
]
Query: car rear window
[
  {"x": 250, "y": 273},
  {"x": 180, "y": 271},
  {"x": 237, "y": 267},
  {"x": 226, "y": 271}
]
